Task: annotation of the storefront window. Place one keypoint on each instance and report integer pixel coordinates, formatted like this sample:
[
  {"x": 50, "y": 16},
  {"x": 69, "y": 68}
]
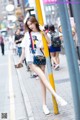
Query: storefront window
[{"x": 51, "y": 13}]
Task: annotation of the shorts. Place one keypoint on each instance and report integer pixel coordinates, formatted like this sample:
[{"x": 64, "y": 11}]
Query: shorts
[{"x": 54, "y": 49}]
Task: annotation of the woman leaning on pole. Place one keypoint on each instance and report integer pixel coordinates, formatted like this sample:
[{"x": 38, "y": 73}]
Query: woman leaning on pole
[{"x": 33, "y": 48}]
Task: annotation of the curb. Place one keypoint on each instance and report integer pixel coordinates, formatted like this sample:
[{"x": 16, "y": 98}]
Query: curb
[{"x": 25, "y": 97}]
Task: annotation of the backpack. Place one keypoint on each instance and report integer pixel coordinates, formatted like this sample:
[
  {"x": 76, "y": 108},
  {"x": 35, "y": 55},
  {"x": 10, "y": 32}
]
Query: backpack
[{"x": 55, "y": 40}]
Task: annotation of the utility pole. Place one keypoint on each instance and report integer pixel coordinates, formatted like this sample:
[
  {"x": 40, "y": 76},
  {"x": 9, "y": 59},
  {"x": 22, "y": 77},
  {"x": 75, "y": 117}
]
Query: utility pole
[
  {"x": 71, "y": 56},
  {"x": 46, "y": 51}
]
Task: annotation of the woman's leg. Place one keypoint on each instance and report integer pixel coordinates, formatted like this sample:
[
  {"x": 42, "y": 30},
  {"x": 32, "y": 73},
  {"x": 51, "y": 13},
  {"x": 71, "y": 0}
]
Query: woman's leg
[
  {"x": 47, "y": 84},
  {"x": 57, "y": 57},
  {"x": 43, "y": 88},
  {"x": 53, "y": 58},
  {"x": 42, "y": 76},
  {"x": 45, "y": 108}
]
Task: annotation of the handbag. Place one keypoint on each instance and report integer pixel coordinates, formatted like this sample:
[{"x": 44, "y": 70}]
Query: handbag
[
  {"x": 39, "y": 60},
  {"x": 55, "y": 40}
]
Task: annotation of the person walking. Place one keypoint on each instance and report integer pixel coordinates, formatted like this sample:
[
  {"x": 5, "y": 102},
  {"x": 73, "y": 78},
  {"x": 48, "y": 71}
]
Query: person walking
[
  {"x": 2, "y": 44},
  {"x": 54, "y": 50},
  {"x": 33, "y": 49},
  {"x": 22, "y": 58},
  {"x": 18, "y": 40}
]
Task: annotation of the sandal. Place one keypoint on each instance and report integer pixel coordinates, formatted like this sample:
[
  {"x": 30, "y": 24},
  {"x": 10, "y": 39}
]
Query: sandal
[{"x": 19, "y": 65}]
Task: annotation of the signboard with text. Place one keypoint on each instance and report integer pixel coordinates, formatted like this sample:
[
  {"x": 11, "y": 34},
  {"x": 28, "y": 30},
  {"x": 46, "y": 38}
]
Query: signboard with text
[
  {"x": 61, "y": 2},
  {"x": 49, "y": 1}
]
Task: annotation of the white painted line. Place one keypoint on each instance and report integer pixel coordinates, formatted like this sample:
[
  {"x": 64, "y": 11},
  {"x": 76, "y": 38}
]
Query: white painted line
[{"x": 11, "y": 92}]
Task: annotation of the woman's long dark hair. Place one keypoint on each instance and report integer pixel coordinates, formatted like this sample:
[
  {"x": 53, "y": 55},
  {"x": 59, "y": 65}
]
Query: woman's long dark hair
[{"x": 32, "y": 19}]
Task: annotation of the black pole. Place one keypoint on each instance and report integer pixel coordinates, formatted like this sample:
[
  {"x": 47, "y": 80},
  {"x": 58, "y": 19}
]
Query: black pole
[{"x": 70, "y": 8}]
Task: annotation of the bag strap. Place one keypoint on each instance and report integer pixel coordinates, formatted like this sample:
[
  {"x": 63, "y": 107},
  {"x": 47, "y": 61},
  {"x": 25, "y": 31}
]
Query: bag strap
[
  {"x": 41, "y": 51},
  {"x": 32, "y": 45}
]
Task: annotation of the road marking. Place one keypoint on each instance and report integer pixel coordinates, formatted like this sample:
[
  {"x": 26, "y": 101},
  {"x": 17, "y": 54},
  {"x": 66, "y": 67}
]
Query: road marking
[{"x": 11, "y": 92}]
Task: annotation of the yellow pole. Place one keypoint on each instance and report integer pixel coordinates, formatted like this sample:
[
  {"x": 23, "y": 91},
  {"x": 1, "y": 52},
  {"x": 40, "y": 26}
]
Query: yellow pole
[{"x": 46, "y": 51}]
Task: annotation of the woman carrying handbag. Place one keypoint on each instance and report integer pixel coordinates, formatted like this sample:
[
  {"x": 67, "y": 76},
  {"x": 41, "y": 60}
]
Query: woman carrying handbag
[{"x": 33, "y": 45}]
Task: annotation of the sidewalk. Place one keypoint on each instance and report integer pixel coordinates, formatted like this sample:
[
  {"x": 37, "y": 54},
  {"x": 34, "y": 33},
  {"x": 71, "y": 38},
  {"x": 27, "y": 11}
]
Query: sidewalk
[{"x": 32, "y": 94}]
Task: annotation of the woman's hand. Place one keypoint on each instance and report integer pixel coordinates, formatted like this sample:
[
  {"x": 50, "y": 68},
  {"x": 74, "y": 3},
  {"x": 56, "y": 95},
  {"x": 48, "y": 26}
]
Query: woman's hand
[{"x": 44, "y": 33}]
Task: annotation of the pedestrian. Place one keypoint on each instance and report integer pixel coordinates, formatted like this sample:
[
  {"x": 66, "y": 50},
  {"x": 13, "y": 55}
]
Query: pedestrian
[
  {"x": 54, "y": 50},
  {"x": 18, "y": 40},
  {"x": 2, "y": 44},
  {"x": 34, "y": 52},
  {"x": 22, "y": 57}
]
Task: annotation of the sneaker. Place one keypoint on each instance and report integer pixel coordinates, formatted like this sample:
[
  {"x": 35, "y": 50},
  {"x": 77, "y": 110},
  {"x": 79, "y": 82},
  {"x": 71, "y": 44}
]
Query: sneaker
[
  {"x": 46, "y": 110},
  {"x": 36, "y": 77},
  {"x": 61, "y": 101}
]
